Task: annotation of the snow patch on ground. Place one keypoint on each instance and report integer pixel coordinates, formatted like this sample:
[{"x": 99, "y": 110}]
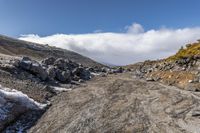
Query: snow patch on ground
[
  {"x": 7, "y": 94},
  {"x": 61, "y": 89},
  {"x": 95, "y": 74}
]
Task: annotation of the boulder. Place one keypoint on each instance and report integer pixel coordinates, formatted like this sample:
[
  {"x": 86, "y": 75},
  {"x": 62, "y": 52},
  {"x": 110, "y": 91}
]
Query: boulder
[
  {"x": 51, "y": 71},
  {"x": 82, "y": 73},
  {"x": 63, "y": 75},
  {"x": 25, "y": 63},
  {"x": 38, "y": 70},
  {"x": 104, "y": 69},
  {"x": 60, "y": 63},
  {"x": 33, "y": 67},
  {"x": 49, "y": 61},
  {"x": 118, "y": 70},
  {"x": 70, "y": 64},
  {"x": 90, "y": 69},
  {"x": 16, "y": 62},
  {"x": 75, "y": 78}
]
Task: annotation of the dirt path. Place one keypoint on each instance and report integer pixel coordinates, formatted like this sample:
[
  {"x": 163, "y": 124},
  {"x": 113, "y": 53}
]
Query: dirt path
[{"x": 120, "y": 103}]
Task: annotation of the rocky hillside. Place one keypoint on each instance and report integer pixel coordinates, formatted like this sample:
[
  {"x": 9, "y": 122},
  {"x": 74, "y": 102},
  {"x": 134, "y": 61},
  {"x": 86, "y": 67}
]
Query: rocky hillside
[
  {"x": 181, "y": 69},
  {"x": 15, "y": 47}
]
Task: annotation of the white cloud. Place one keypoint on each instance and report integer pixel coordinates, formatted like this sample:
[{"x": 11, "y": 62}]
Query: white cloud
[
  {"x": 122, "y": 48},
  {"x": 135, "y": 28}
]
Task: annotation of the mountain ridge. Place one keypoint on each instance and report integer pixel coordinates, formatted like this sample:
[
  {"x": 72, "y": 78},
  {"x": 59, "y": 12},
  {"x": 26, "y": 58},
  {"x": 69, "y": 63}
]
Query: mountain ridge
[{"x": 11, "y": 46}]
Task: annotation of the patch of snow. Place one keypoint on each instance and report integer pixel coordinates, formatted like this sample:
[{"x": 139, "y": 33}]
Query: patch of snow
[
  {"x": 95, "y": 74},
  {"x": 8, "y": 94},
  {"x": 36, "y": 64},
  {"x": 61, "y": 89},
  {"x": 27, "y": 61}
]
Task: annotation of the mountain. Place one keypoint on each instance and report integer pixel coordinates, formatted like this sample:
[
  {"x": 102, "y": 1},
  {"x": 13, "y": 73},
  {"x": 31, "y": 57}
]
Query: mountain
[{"x": 15, "y": 47}]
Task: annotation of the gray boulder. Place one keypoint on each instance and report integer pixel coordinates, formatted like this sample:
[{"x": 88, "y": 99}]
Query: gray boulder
[
  {"x": 63, "y": 75},
  {"x": 60, "y": 63},
  {"x": 82, "y": 73},
  {"x": 38, "y": 70},
  {"x": 118, "y": 70},
  {"x": 49, "y": 61},
  {"x": 33, "y": 67},
  {"x": 25, "y": 63},
  {"x": 51, "y": 71}
]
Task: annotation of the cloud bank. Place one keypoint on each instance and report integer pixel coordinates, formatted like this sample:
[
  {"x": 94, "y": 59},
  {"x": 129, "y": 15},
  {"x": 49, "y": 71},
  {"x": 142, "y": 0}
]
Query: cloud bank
[{"x": 128, "y": 47}]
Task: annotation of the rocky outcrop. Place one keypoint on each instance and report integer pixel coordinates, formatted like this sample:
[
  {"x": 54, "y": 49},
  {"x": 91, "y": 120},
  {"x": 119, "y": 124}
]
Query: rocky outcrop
[
  {"x": 53, "y": 69},
  {"x": 33, "y": 67},
  {"x": 63, "y": 70},
  {"x": 183, "y": 73}
]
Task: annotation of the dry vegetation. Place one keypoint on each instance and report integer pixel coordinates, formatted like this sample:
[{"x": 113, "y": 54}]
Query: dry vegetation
[{"x": 188, "y": 51}]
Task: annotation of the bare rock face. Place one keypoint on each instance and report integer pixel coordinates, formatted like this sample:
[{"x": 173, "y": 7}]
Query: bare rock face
[{"x": 119, "y": 103}]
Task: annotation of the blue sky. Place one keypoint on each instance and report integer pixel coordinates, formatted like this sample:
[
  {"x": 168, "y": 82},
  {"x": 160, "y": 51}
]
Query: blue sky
[
  {"x": 117, "y": 32},
  {"x": 46, "y": 17}
]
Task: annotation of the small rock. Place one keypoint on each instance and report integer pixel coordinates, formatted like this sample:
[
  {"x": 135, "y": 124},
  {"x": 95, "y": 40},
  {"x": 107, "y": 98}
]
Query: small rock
[
  {"x": 119, "y": 70},
  {"x": 80, "y": 80},
  {"x": 190, "y": 81},
  {"x": 149, "y": 79}
]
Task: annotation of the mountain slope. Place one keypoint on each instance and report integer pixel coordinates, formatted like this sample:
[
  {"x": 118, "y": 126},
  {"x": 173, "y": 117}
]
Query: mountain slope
[{"x": 13, "y": 47}]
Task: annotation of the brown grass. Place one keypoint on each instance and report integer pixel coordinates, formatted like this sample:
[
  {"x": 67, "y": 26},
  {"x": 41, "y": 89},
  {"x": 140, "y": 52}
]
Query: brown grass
[{"x": 190, "y": 50}]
